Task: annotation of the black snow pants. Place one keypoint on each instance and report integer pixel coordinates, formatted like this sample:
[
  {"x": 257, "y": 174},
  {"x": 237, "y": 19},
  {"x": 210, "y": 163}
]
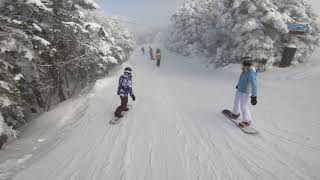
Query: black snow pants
[
  {"x": 122, "y": 107},
  {"x": 158, "y": 62}
]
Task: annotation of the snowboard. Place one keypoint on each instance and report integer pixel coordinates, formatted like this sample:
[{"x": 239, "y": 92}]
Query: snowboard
[
  {"x": 247, "y": 130},
  {"x": 116, "y": 120}
]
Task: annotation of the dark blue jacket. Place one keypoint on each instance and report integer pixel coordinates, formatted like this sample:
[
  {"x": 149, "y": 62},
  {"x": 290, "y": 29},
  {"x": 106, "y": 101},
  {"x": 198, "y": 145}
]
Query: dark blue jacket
[{"x": 125, "y": 85}]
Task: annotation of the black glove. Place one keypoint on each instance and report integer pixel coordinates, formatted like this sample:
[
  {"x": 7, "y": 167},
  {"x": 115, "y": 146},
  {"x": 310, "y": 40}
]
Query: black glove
[
  {"x": 133, "y": 97},
  {"x": 254, "y": 100},
  {"x": 237, "y": 87},
  {"x": 118, "y": 92}
]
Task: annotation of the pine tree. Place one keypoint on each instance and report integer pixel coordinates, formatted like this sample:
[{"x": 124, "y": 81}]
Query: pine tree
[
  {"x": 226, "y": 30},
  {"x": 50, "y": 50}
]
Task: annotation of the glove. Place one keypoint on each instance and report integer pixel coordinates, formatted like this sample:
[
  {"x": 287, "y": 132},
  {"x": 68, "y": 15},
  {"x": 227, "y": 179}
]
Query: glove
[
  {"x": 254, "y": 100},
  {"x": 118, "y": 92},
  {"x": 237, "y": 87},
  {"x": 133, "y": 97}
]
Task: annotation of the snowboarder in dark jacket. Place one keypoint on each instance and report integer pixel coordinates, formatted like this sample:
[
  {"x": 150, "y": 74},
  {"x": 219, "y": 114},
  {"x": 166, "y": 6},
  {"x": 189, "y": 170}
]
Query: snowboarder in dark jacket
[
  {"x": 158, "y": 57},
  {"x": 124, "y": 90},
  {"x": 151, "y": 53}
]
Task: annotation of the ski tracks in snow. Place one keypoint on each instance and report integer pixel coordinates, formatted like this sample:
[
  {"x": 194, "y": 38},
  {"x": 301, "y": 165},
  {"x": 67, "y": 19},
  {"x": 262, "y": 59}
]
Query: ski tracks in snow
[{"x": 174, "y": 131}]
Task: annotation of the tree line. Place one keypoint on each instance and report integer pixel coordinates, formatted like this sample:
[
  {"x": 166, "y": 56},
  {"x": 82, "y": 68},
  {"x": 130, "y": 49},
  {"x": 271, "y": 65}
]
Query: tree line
[{"x": 51, "y": 49}]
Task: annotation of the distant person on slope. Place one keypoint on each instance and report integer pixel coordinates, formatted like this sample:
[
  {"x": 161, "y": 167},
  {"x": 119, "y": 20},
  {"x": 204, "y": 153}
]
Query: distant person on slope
[
  {"x": 151, "y": 53},
  {"x": 142, "y": 49},
  {"x": 124, "y": 90},
  {"x": 246, "y": 86},
  {"x": 158, "y": 57}
]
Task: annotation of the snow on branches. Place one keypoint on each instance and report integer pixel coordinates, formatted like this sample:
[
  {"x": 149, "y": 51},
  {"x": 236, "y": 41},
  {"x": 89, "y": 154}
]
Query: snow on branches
[
  {"x": 39, "y": 4},
  {"x": 228, "y": 29},
  {"x": 49, "y": 50}
]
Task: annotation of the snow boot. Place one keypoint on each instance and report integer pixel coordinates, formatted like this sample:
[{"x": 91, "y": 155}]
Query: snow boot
[
  {"x": 118, "y": 115},
  {"x": 235, "y": 116},
  {"x": 244, "y": 124}
]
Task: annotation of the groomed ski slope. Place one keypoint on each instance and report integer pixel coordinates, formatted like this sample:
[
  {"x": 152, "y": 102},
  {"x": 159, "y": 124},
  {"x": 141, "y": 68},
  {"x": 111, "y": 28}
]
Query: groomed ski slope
[{"x": 175, "y": 130}]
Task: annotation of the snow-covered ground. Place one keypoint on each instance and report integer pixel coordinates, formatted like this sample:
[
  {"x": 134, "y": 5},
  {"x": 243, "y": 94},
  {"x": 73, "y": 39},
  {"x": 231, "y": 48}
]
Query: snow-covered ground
[{"x": 175, "y": 130}]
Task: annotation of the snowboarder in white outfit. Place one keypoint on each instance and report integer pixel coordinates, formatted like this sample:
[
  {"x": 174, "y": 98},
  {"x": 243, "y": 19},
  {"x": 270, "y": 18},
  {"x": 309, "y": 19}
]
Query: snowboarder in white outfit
[{"x": 246, "y": 86}]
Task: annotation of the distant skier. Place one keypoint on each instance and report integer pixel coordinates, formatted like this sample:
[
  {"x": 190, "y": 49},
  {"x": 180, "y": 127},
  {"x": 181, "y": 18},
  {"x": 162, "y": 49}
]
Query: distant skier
[
  {"x": 124, "y": 90},
  {"x": 142, "y": 49},
  {"x": 158, "y": 57},
  {"x": 246, "y": 86},
  {"x": 151, "y": 53}
]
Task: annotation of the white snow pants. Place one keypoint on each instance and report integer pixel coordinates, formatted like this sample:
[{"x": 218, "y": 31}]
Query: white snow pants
[{"x": 241, "y": 106}]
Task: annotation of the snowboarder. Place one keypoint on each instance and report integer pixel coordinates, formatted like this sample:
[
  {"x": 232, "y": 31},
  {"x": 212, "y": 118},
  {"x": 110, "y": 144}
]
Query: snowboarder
[
  {"x": 142, "y": 49},
  {"x": 158, "y": 57},
  {"x": 124, "y": 90},
  {"x": 247, "y": 85},
  {"x": 151, "y": 53}
]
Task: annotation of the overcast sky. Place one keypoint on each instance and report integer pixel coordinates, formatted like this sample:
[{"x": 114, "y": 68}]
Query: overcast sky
[
  {"x": 154, "y": 13},
  {"x": 316, "y": 5}
]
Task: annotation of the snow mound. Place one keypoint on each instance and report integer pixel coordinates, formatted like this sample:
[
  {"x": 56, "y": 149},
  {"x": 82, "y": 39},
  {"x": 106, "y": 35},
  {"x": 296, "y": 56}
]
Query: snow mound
[{"x": 24, "y": 158}]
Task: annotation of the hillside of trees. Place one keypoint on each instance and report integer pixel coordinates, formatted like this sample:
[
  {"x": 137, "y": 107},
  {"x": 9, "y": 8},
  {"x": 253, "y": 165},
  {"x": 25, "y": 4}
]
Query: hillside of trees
[
  {"x": 51, "y": 49},
  {"x": 225, "y": 30}
]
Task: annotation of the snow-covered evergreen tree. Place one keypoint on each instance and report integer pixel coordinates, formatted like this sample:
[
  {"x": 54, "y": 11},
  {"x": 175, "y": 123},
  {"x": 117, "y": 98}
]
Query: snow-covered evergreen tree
[
  {"x": 229, "y": 29},
  {"x": 50, "y": 49},
  {"x": 190, "y": 24}
]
